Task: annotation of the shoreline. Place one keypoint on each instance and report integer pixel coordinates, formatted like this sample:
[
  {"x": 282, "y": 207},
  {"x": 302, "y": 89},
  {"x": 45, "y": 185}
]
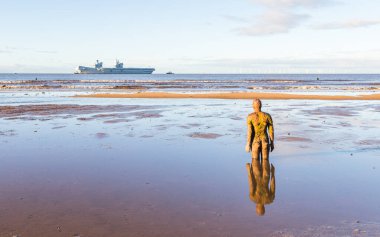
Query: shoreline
[{"x": 231, "y": 95}]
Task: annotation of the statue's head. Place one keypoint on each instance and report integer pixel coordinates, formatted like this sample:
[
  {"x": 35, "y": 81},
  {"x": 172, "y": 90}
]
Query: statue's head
[
  {"x": 257, "y": 105},
  {"x": 260, "y": 209}
]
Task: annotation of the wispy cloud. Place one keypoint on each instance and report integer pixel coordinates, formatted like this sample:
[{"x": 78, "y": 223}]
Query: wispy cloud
[
  {"x": 35, "y": 68},
  {"x": 235, "y": 18},
  {"x": 46, "y": 52},
  {"x": 279, "y": 16},
  {"x": 272, "y": 22},
  {"x": 10, "y": 50},
  {"x": 346, "y": 24},
  {"x": 7, "y": 50},
  {"x": 292, "y": 3}
]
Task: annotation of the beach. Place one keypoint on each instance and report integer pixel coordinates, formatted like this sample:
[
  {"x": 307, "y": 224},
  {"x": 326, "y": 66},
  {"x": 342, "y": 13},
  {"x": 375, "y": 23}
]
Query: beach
[
  {"x": 117, "y": 166},
  {"x": 166, "y": 158}
]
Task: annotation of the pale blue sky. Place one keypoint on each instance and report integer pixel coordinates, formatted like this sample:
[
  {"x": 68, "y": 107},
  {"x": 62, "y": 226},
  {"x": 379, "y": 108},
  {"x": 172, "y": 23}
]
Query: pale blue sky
[{"x": 198, "y": 36}]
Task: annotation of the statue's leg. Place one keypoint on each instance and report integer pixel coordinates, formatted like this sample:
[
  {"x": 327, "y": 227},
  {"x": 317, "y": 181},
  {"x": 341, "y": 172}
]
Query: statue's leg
[
  {"x": 265, "y": 151},
  {"x": 255, "y": 150}
]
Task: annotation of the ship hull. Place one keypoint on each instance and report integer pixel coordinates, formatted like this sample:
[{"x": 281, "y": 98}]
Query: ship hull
[{"x": 86, "y": 70}]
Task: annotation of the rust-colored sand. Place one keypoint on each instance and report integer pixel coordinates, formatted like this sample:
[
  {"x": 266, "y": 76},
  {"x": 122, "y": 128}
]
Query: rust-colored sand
[{"x": 234, "y": 95}]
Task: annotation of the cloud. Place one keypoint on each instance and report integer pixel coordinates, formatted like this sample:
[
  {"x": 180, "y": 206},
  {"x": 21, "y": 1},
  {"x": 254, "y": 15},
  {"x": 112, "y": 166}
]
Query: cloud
[
  {"x": 11, "y": 50},
  {"x": 279, "y": 16},
  {"x": 272, "y": 22},
  {"x": 46, "y": 51},
  {"x": 235, "y": 18},
  {"x": 7, "y": 50},
  {"x": 292, "y": 3},
  {"x": 36, "y": 68},
  {"x": 346, "y": 25}
]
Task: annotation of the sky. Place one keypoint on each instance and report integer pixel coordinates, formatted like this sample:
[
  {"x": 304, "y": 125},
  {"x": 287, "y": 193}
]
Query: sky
[{"x": 198, "y": 36}]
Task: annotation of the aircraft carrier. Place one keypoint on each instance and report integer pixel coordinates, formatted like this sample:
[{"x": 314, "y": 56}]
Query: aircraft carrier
[{"x": 118, "y": 69}]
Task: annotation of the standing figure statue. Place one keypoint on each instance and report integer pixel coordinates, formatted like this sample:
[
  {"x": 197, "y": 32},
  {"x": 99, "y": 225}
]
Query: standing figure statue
[
  {"x": 260, "y": 135},
  {"x": 260, "y": 138}
]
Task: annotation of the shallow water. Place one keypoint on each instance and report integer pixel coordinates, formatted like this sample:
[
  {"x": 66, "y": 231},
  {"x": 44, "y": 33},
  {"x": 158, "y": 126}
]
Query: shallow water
[
  {"x": 322, "y": 83},
  {"x": 138, "y": 169}
]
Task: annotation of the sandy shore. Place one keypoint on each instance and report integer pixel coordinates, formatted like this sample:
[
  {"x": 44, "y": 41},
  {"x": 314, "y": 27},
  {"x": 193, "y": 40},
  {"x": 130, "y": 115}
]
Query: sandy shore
[
  {"x": 233, "y": 95},
  {"x": 81, "y": 167}
]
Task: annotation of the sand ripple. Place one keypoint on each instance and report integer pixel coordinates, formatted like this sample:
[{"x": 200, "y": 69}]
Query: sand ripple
[{"x": 204, "y": 135}]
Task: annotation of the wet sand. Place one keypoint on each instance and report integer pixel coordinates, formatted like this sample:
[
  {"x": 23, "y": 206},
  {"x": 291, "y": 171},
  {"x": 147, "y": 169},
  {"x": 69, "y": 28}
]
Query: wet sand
[
  {"x": 233, "y": 95},
  {"x": 178, "y": 168}
]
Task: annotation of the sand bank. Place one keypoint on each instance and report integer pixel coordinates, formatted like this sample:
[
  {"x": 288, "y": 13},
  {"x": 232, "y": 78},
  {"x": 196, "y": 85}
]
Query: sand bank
[{"x": 233, "y": 95}]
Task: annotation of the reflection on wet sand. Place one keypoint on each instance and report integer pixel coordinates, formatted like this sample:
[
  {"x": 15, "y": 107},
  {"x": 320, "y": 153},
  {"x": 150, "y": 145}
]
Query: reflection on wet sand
[{"x": 262, "y": 183}]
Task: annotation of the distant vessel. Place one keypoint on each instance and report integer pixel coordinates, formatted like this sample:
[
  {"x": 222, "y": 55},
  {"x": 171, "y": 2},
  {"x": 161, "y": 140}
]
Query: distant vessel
[
  {"x": 118, "y": 69},
  {"x": 169, "y": 73}
]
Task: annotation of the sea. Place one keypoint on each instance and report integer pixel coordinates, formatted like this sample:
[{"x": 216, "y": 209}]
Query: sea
[{"x": 189, "y": 83}]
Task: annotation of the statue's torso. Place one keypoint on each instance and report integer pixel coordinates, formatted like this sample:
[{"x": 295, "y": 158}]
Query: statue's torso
[{"x": 260, "y": 122}]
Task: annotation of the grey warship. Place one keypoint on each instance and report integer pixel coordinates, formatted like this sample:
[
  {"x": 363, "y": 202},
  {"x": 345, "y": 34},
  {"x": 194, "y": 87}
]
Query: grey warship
[{"x": 118, "y": 69}]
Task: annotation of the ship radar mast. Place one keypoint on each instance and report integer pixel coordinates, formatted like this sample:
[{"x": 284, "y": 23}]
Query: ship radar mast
[
  {"x": 119, "y": 65},
  {"x": 98, "y": 64}
]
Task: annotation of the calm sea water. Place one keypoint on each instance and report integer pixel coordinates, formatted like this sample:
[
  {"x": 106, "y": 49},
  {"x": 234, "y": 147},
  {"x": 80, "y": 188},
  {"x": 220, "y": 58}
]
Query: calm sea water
[{"x": 194, "y": 82}]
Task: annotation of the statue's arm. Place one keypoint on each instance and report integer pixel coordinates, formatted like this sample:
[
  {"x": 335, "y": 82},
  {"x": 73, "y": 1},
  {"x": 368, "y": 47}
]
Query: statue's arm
[
  {"x": 271, "y": 131},
  {"x": 250, "y": 135}
]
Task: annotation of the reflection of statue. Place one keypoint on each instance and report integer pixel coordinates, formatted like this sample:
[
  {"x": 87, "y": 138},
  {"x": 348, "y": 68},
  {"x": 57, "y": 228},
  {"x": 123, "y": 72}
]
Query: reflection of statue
[
  {"x": 259, "y": 125},
  {"x": 262, "y": 184}
]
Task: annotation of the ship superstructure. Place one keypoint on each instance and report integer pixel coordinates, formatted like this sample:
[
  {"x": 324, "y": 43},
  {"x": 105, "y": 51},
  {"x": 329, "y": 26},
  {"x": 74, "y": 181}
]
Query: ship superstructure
[{"x": 118, "y": 69}]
